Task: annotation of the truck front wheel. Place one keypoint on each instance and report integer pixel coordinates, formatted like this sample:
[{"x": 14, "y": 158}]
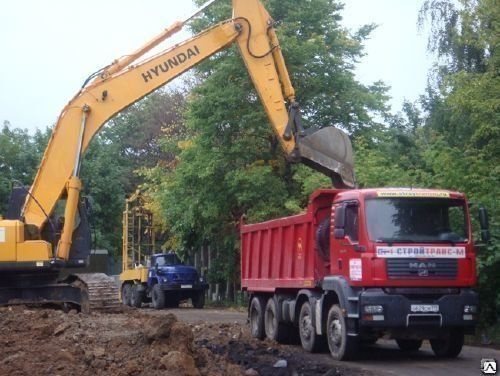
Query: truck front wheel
[
  {"x": 136, "y": 297},
  {"x": 199, "y": 300},
  {"x": 126, "y": 294},
  {"x": 158, "y": 297},
  {"x": 448, "y": 347},
  {"x": 341, "y": 345},
  {"x": 256, "y": 316},
  {"x": 308, "y": 338}
]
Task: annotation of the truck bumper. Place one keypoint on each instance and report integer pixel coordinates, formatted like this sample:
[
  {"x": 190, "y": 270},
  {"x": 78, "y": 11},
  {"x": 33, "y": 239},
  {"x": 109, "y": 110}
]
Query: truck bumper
[
  {"x": 418, "y": 311},
  {"x": 183, "y": 286}
]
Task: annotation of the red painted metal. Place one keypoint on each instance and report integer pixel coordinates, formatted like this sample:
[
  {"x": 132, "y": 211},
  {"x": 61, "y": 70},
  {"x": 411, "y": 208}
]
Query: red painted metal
[{"x": 282, "y": 254}]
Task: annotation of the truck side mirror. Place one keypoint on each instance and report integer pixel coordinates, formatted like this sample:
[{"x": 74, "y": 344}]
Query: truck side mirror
[
  {"x": 484, "y": 223},
  {"x": 339, "y": 228}
]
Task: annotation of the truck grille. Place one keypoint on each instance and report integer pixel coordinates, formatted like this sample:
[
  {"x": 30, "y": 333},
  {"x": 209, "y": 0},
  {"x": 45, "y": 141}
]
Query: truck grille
[
  {"x": 416, "y": 269},
  {"x": 184, "y": 277}
]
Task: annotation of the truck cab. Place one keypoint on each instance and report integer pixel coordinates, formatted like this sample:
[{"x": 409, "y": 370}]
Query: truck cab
[
  {"x": 408, "y": 258},
  {"x": 171, "y": 273}
]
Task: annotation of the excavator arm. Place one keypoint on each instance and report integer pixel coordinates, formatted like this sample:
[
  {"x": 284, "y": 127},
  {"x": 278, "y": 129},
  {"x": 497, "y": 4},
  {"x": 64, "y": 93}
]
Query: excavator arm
[{"x": 126, "y": 81}]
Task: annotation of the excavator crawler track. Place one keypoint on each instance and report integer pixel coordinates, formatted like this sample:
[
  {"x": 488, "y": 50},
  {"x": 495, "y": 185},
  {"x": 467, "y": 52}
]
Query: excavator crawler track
[{"x": 99, "y": 293}]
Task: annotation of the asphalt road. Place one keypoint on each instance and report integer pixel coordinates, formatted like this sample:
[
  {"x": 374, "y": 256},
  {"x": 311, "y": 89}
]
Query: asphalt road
[{"x": 384, "y": 358}]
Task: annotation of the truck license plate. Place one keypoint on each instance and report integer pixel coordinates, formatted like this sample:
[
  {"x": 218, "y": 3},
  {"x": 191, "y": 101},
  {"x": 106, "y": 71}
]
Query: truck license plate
[
  {"x": 186, "y": 286},
  {"x": 424, "y": 308}
]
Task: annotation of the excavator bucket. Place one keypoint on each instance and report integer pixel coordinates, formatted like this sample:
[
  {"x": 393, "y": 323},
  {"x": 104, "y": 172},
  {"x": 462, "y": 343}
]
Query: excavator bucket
[{"x": 329, "y": 151}]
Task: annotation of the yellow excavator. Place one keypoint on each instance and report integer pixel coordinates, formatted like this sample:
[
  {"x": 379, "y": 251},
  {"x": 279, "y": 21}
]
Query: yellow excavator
[{"x": 46, "y": 228}]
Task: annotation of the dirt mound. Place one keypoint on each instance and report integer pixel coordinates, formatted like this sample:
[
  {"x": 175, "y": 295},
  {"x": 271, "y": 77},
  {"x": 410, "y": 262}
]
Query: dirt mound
[
  {"x": 143, "y": 342},
  {"x": 234, "y": 343},
  {"x": 50, "y": 342}
]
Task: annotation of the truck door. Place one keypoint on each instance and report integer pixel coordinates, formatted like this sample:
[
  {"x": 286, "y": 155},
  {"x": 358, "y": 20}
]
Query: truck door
[{"x": 345, "y": 239}]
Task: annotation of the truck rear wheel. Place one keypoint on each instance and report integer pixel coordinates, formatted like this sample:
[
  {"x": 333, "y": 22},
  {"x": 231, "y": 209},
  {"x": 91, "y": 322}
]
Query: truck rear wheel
[
  {"x": 448, "y": 347},
  {"x": 341, "y": 345},
  {"x": 158, "y": 297},
  {"x": 126, "y": 294},
  {"x": 308, "y": 338},
  {"x": 199, "y": 300},
  {"x": 136, "y": 297},
  {"x": 409, "y": 344},
  {"x": 275, "y": 330},
  {"x": 256, "y": 316}
]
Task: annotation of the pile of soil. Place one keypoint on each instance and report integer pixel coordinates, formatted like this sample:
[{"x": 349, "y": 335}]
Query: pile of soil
[
  {"x": 51, "y": 342},
  {"x": 264, "y": 358},
  {"x": 43, "y": 341}
]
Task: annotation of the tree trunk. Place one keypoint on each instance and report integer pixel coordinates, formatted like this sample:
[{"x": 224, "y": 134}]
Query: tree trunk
[
  {"x": 209, "y": 259},
  {"x": 230, "y": 290},
  {"x": 197, "y": 265}
]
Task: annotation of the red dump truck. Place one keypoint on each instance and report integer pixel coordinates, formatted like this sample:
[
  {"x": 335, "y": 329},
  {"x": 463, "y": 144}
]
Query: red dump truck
[{"x": 360, "y": 264}]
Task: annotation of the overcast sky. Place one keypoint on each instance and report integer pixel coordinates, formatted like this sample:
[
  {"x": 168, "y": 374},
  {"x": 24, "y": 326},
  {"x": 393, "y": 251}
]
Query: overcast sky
[{"x": 49, "y": 47}]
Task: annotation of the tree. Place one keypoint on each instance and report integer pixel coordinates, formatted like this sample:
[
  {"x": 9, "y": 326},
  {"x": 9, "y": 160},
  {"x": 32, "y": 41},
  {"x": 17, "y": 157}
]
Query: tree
[
  {"x": 19, "y": 158},
  {"x": 131, "y": 142}
]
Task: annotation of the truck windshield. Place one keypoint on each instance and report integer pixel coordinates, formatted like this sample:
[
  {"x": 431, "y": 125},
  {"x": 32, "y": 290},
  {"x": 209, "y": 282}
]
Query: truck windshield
[
  {"x": 167, "y": 260},
  {"x": 411, "y": 220}
]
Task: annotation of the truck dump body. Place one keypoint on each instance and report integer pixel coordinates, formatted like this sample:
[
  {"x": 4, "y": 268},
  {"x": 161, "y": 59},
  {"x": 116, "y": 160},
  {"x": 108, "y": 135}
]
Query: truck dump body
[{"x": 281, "y": 253}]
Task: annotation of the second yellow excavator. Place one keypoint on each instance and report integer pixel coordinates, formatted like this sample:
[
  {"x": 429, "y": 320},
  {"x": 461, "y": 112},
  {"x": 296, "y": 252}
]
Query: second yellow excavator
[{"x": 46, "y": 229}]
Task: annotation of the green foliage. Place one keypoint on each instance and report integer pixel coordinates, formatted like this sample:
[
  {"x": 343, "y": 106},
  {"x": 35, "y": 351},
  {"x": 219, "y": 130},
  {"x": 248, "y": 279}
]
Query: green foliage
[
  {"x": 131, "y": 142},
  {"x": 105, "y": 175},
  {"x": 19, "y": 158}
]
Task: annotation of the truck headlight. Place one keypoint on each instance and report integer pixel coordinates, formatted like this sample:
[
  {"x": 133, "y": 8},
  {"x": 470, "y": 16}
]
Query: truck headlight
[
  {"x": 373, "y": 309},
  {"x": 470, "y": 309}
]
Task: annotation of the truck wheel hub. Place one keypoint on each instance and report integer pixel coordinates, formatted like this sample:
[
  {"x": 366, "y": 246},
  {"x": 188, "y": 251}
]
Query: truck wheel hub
[
  {"x": 306, "y": 327},
  {"x": 254, "y": 318},
  {"x": 336, "y": 332}
]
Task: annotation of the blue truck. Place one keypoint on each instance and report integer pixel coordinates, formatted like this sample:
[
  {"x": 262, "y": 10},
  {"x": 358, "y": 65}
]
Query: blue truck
[{"x": 165, "y": 281}]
